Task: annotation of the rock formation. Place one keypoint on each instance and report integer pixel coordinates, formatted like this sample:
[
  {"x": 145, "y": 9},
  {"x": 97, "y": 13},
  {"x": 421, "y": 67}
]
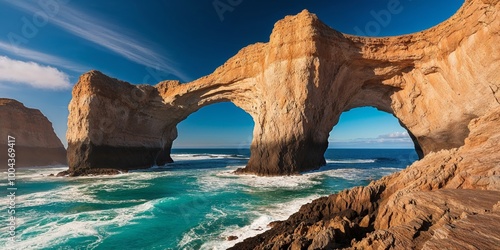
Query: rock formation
[
  {"x": 36, "y": 143},
  {"x": 295, "y": 87},
  {"x": 448, "y": 200},
  {"x": 443, "y": 84}
]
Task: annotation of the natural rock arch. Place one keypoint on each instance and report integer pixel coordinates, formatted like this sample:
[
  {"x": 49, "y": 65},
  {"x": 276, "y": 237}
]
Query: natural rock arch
[{"x": 295, "y": 87}]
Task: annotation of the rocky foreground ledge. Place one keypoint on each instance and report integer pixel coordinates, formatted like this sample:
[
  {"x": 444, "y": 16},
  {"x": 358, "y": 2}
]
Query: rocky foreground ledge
[
  {"x": 36, "y": 143},
  {"x": 448, "y": 200}
]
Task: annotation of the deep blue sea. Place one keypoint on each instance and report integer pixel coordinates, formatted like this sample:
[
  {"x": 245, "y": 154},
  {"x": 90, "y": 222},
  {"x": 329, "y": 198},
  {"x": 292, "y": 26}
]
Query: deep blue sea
[{"x": 194, "y": 203}]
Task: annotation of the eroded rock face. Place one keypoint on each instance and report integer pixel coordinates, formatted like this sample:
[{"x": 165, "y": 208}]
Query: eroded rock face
[
  {"x": 448, "y": 200},
  {"x": 295, "y": 87},
  {"x": 36, "y": 143}
]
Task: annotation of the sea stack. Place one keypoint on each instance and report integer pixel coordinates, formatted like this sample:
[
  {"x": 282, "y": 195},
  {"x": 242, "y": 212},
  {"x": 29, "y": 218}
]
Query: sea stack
[{"x": 36, "y": 144}]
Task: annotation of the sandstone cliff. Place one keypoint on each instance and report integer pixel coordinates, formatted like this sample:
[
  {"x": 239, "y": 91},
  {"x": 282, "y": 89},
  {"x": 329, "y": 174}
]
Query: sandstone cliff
[
  {"x": 448, "y": 200},
  {"x": 36, "y": 142},
  {"x": 295, "y": 87}
]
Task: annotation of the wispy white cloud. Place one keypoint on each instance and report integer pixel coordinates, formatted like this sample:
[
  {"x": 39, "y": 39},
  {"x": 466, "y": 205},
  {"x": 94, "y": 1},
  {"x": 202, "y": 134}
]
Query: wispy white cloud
[
  {"x": 396, "y": 136},
  {"x": 41, "y": 57},
  {"x": 32, "y": 74},
  {"x": 391, "y": 139},
  {"x": 105, "y": 35}
]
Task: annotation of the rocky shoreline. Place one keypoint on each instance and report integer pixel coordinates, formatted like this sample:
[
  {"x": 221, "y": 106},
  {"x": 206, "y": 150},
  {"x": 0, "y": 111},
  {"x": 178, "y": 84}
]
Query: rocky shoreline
[{"x": 448, "y": 200}]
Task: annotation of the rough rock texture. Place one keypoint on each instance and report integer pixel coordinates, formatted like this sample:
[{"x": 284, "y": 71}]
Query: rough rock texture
[
  {"x": 36, "y": 143},
  {"x": 295, "y": 87},
  {"x": 448, "y": 200}
]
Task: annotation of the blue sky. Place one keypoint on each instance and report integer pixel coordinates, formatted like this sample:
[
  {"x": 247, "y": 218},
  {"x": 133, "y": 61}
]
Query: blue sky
[{"x": 45, "y": 45}]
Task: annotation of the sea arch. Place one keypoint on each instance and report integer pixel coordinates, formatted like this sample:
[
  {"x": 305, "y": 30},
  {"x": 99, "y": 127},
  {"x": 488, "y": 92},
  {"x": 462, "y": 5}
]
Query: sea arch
[{"x": 295, "y": 87}]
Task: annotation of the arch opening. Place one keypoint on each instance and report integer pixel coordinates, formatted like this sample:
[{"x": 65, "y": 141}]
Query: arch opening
[
  {"x": 215, "y": 131},
  {"x": 371, "y": 134}
]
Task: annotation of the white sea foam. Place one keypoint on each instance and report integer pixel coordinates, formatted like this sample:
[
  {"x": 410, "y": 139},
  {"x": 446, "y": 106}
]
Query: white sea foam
[
  {"x": 224, "y": 180},
  {"x": 64, "y": 227},
  {"x": 351, "y": 161},
  {"x": 346, "y": 173},
  {"x": 263, "y": 216},
  {"x": 197, "y": 157},
  {"x": 144, "y": 176},
  {"x": 28, "y": 173},
  {"x": 63, "y": 194},
  {"x": 83, "y": 189},
  {"x": 354, "y": 174}
]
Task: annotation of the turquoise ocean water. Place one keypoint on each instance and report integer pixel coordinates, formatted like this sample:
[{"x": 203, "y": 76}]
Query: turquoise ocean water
[{"x": 194, "y": 203}]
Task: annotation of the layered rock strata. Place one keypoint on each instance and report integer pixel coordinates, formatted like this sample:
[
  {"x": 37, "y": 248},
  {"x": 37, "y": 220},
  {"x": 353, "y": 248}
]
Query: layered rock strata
[
  {"x": 36, "y": 144},
  {"x": 295, "y": 87},
  {"x": 448, "y": 200}
]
